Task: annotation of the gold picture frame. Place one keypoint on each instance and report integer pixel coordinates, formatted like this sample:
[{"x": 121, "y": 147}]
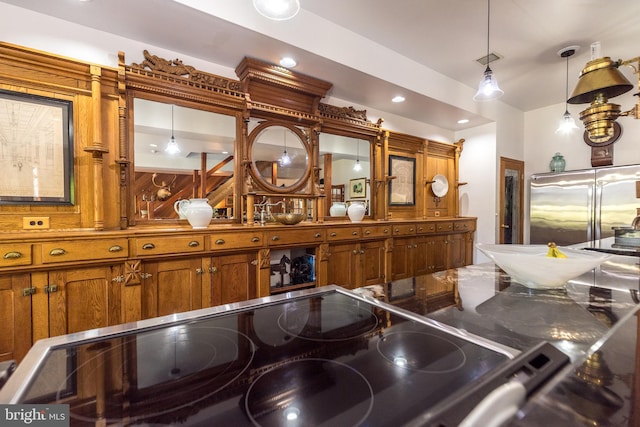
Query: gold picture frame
[{"x": 358, "y": 188}]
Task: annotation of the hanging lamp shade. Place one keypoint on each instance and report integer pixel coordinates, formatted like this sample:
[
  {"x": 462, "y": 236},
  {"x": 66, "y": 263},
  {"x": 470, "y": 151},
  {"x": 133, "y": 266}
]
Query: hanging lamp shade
[
  {"x": 567, "y": 123},
  {"x": 488, "y": 88},
  {"x": 172, "y": 146},
  {"x": 599, "y": 78}
]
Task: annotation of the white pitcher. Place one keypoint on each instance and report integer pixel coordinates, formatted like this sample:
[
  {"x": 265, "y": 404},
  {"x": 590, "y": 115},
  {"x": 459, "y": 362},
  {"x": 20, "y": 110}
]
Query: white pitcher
[
  {"x": 198, "y": 212},
  {"x": 180, "y": 206}
]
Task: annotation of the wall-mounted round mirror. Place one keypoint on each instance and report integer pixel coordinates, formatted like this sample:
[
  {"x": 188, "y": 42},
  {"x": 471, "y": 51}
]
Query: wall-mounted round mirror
[{"x": 279, "y": 156}]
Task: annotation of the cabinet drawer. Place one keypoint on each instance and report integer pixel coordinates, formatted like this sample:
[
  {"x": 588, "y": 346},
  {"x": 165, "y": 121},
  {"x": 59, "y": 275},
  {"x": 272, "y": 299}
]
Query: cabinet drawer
[
  {"x": 444, "y": 226},
  {"x": 376, "y": 231},
  {"x": 168, "y": 245},
  {"x": 83, "y": 250},
  {"x": 463, "y": 226},
  {"x": 287, "y": 237},
  {"x": 404, "y": 229},
  {"x": 343, "y": 233},
  {"x": 427, "y": 227},
  {"x": 15, "y": 254},
  {"x": 236, "y": 240}
]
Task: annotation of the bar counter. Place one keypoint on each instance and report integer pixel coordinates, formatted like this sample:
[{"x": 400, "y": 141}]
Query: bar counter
[{"x": 593, "y": 320}]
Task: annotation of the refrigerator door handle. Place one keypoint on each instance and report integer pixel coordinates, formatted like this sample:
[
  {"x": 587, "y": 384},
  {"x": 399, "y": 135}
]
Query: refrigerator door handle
[{"x": 596, "y": 209}]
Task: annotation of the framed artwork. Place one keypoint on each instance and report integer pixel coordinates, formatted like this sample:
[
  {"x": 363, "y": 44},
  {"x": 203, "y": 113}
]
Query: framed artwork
[
  {"x": 402, "y": 189},
  {"x": 36, "y": 149},
  {"x": 358, "y": 188}
]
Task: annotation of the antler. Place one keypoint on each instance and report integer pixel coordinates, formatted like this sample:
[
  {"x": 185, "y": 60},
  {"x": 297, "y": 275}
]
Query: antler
[{"x": 153, "y": 180}]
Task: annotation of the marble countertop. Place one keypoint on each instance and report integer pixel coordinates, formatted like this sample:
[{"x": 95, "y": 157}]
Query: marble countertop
[{"x": 593, "y": 320}]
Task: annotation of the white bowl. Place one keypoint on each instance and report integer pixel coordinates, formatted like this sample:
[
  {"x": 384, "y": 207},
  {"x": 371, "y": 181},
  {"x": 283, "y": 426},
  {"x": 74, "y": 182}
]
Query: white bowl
[{"x": 529, "y": 264}]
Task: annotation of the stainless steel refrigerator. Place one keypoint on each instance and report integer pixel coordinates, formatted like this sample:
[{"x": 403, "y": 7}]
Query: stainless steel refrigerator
[{"x": 583, "y": 205}]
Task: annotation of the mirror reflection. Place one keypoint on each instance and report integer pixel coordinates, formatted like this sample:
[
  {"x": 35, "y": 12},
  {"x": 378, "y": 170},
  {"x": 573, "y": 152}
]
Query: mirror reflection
[
  {"x": 201, "y": 167},
  {"x": 346, "y": 172},
  {"x": 280, "y": 160}
]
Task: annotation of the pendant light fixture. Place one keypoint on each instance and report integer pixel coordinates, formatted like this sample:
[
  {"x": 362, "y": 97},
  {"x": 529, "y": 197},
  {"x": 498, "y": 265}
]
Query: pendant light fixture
[
  {"x": 567, "y": 124},
  {"x": 172, "y": 146},
  {"x": 285, "y": 159},
  {"x": 357, "y": 167},
  {"x": 488, "y": 88},
  {"x": 278, "y": 10}
]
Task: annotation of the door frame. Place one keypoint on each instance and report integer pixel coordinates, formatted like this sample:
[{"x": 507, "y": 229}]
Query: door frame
[{"x": 507, "y": 163}]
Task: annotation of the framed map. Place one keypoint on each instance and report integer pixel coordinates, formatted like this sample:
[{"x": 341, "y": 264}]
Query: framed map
[
  {"x": 402, "y": 189},
  {"x": 36, "y": 149}
]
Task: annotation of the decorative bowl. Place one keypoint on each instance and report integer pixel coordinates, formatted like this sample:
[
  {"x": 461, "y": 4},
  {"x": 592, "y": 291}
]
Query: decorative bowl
[
  {"x": 529, "y": 265},
  {"x": 288, "y": 218}
]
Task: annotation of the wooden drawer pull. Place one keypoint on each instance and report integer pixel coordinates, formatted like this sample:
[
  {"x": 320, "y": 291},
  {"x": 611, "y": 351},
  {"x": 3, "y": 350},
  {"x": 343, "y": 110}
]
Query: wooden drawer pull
[
  {"x": 220, "y": 242},
  {"x": 57, "y": 252},
  {"x": 367, "y": 232},
  {"x": 355, "y": 233},
  {"x": 115, "y": 248},
  {"x": 334, "y": 234},
  {"x": 385, "y": 231},
  {"x": 275, "y": 238},
  {"x": 148, "y": 246},
  {"x": 12, "y": 255},
  {"x": 317, "y": 235},
  {"x": 255, "y": 239},
  {"x": 194, "y": 244}
]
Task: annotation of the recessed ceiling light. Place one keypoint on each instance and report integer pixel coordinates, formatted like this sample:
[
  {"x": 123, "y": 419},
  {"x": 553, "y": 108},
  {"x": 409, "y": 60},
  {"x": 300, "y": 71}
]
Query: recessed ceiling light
[
  {"x": 288, "y": 62},
  {"x": 463, "y": 121},
  {"x": 398, "y": 99},
  {"x": 278, "y": 10},
  {"x": 225, "y": 152}
]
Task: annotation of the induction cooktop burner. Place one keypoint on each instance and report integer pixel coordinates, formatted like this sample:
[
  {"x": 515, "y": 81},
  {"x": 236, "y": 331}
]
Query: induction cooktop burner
[
  {"x": 310, "y": 392},
  {"x": 327, "y": 320},
  {"x": 407, "y": 350},
  {"x": 320, "y": 357}
]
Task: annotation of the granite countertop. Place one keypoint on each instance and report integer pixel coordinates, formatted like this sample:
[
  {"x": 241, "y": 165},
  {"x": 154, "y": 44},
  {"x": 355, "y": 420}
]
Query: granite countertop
[{"x": 593, "y": 320}]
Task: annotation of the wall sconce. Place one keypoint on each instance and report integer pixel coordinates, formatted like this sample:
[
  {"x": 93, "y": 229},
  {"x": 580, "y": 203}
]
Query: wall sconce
[{"x": 600, "y": 80}]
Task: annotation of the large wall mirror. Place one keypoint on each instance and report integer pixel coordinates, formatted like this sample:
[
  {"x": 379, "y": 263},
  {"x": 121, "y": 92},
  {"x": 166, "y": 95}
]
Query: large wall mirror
[
  {"x": 279, "y": 156},
  {"x": 203, "y": 166},
  {"x": 346, "y": 172}
]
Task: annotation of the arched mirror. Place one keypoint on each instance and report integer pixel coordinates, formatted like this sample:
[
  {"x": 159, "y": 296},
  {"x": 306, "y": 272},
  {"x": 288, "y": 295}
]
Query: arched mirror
[
  {"x": 202, "y": 165},
  {"x": 346, "y": 172},
  {"x": 279, "y": 157}
]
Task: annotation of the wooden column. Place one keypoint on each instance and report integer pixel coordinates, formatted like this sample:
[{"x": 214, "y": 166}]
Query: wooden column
[{"x": 97, "y": 148}]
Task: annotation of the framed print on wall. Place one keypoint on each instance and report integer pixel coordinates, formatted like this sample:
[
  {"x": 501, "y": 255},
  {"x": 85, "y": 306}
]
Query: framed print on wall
[
  {"x": 402, "y": 189},
  {"x": 358, "y": 188},
  {"x": 36, "y": 149}
]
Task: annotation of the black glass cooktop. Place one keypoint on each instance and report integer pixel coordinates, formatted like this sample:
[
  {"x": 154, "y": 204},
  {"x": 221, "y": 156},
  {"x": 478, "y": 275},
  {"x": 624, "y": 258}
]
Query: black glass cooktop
[{"x": 320, "y": 358}]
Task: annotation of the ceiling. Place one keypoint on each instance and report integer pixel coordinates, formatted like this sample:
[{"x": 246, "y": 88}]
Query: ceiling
[{"x": 372, "y": 50}]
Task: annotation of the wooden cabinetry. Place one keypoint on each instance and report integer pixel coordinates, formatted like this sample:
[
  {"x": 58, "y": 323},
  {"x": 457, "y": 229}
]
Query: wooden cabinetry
[
  {"x": 15, "y": 315},
  {"x": 229, "y": 279},
  {"x": 171, "y": 286},
  {"x": 352, "y": 265},
  {"x": 76, "y": 299}
]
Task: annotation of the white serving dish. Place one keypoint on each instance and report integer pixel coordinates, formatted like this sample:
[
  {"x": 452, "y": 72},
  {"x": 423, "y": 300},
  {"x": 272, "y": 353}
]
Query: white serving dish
[{"x": 529, "y": 265}]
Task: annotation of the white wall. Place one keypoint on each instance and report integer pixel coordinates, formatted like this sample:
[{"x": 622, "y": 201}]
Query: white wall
[{"x": 479, "y": 169}]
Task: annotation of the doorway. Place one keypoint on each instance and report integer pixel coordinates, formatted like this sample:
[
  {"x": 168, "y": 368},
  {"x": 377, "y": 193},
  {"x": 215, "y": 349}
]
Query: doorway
[{"x": 511, "y": 201}]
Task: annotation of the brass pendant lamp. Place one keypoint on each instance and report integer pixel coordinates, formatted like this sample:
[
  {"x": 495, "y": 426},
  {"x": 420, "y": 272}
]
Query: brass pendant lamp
[{"x": 600, "y": 80}]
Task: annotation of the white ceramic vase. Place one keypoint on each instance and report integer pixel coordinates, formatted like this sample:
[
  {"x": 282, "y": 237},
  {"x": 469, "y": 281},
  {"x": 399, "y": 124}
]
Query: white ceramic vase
[
  {"x": 356, "y": 211},
  {"x": 198, "y": 212},
  {"x": 338, "y": 209}
]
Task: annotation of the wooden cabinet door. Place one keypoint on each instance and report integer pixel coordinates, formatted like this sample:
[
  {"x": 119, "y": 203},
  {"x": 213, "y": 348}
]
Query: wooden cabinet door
[
  {"x": 15, "y": 315},
  {"x": 402, "y": 258},
  {"x": 420, "y": 255},
  {"x": 171, "y": 286},
  {"x": 372, "y": 261},
  {"x": 231, "y": 278},
  {"x": 83, "y": 298},
  {"x": 437, "y": 252},
  {"x": 457, "y": 248},
  {"x": 342, "y": 265}
]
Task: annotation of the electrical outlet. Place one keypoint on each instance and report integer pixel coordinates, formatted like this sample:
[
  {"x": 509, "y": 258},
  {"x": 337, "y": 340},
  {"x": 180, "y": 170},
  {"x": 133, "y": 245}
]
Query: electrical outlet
[{"x": 35, "y": 223}]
